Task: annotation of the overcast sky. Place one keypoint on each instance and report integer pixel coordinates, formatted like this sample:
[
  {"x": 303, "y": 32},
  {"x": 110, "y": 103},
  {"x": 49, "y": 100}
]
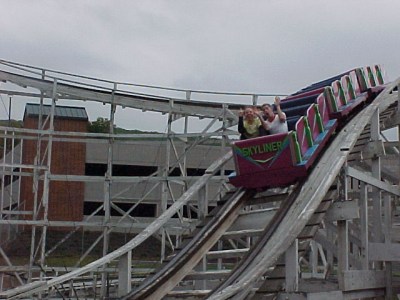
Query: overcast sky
[{"x": 270, "y": 46}]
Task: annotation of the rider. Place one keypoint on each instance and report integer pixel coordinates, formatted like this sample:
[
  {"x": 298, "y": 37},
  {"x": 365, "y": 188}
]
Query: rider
[
  {"x": 249, "y": 123},
  {"x": 273, "y": 123}
]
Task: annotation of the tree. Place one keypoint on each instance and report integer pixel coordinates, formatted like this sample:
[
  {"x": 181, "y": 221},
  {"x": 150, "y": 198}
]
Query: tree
[{"x": 101, "y": 125}]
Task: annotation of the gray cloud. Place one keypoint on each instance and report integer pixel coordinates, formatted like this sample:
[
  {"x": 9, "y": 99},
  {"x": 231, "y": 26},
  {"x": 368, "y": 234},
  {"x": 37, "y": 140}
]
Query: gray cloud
[{"x": 237, "y": 46}]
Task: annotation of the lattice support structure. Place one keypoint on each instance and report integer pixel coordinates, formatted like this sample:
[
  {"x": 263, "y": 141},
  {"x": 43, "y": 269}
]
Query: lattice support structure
[
  {"x": 58, "y": 87},
  {"x": 357, "y": 238},
  {"x": 347, "y": 242}
]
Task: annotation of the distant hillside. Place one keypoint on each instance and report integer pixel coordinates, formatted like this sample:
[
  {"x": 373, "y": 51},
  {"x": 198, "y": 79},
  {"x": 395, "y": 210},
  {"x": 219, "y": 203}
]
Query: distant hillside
[
  {"x": 118, "y": 130},
  {"x": 102, "y": 125},
  {"x": 14, "y": 123},
  {"x": 98, "y": 126}
]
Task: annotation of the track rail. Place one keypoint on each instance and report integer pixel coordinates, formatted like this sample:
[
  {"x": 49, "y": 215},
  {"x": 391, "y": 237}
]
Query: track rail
[
  {"x": 295, "y": 213},
  {"x": 171, "y": 273},
  {"x": 124, "y": 98},
  {"x": 265, "y": 236}
]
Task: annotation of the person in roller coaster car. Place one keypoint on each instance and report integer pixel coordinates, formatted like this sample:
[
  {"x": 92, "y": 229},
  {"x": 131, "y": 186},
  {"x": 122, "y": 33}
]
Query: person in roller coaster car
[
  {"x": 273, "y": 123},
  {"x": 250, "y": 123}
]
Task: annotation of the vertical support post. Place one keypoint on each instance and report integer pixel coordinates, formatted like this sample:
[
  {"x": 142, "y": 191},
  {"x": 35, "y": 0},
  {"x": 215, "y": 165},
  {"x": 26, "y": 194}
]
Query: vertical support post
[
  {"x": 387, "y": 209},
  {"x": 255, "y": 99},
  {"x": 164, "y": 184},
  {"x": 376, "y": 195},
  {"x": 2, "y": 204},
  {"x": 292, "y": 267},
  {"x": 108, "y": 192},
  {"x": 203, "y": 202},
  {"x": 19, "y": 181},
  {"x": 343, "y": 188},
  {"x": 9, "y": 111},
  {"x": 185, "y": 130},
  {"x": 7, "y": 200},
  {"x": 343, "y": 231},
  {"x": 314, "y": 259},
  {"x": 224, "y": 142},
  {"x": 12, "y": 161},
  {"x": 398, "y": 126},
  {"x": 185, "y": 148},
  {"x": 220, "y": 246},
  {"x": 329, "y": 254},
  {"x": 45, "y": 218},
  {"x": 38, "y": 158},
  {"x": 364, "y": 226},
  {"x": 46, "y": 184},
  {"x": 201, "y": 284},
  {"x": 343, "y": 248},
  {"x": 106, "y": 208},
  {"x": 124, "y": 274},
  {"x": 204, "y": 269}
]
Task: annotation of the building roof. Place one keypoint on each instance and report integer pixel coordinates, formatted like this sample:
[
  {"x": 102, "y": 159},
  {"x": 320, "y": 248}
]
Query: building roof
[{"x": 65, "y": 112}]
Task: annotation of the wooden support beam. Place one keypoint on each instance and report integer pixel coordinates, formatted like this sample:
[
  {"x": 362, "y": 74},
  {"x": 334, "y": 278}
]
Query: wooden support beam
[
  {"x": 292, "y": 267},
  {"x": 208, "y": 275},
  {"x": 343, "y": 230},
  {"x": 364, "y": 294},
  {"x": 291, "y": 296},
  {"x": 364, "y": 226},
  {"x": 328, "y": 245},
  {"x": 373, "y": 149},
  {"x": 191, "y": 294},
  {"x": 232, "y": 253},
  {"x": 363, "y": 280},
  {"x": 387, "y": 228},
  {"x": 384, "y": 252},
  {"x": 203, "y": 202},
  {"x": 364, "y": 177},
  {"x": 342, "y": 210},
  {"x": 331, "y": 295},
  {"x": 124, "y": 274},
  {"x": 343, "y": 251},
  {"x": 376, "y": 219},
  {"x": 313, "y": 258}
]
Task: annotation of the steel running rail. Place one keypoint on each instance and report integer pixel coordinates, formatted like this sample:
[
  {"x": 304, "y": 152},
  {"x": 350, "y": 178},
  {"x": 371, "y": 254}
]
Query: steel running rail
[
  {"x": 157, "y": 286},
  {"x": 295, "y": 213}
]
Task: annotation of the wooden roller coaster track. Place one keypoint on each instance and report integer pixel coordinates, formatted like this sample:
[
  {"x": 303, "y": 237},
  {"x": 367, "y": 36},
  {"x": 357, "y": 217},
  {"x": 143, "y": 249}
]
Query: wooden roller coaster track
[{"x": 288, "y": 223}]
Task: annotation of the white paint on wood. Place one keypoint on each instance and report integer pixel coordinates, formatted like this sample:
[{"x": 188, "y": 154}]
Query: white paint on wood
[
  {"x": 292, "y": 267},
  {"x": 384, "y": 252},
  {"x": 343, "y": 210},
  {"x": 361, "y": 280}
]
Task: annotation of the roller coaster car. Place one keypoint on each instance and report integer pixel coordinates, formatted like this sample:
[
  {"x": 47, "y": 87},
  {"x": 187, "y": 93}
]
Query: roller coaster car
[
  {"x": 282, "y": 159},
  {"x": 353, "y": 90}
]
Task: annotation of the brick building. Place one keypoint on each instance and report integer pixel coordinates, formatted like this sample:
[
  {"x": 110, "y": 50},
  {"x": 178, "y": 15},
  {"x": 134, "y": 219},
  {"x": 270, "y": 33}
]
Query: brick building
[{"x": 66, "y": 198}]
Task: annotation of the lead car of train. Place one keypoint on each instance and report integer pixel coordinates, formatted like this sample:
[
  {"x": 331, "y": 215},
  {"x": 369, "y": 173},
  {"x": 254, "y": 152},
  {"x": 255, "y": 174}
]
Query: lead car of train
[{"x": 313, "y": 114}]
